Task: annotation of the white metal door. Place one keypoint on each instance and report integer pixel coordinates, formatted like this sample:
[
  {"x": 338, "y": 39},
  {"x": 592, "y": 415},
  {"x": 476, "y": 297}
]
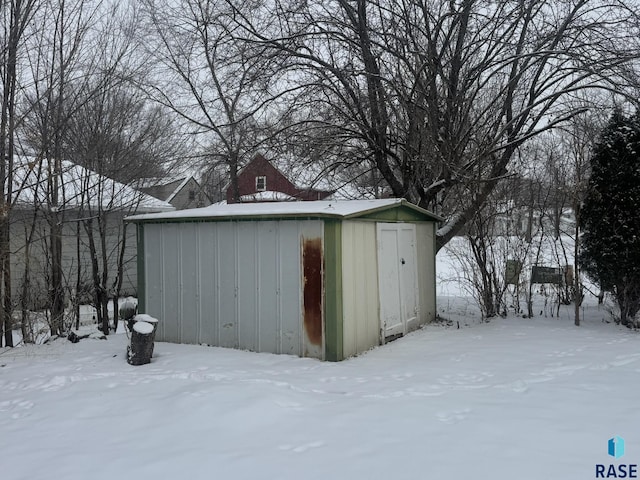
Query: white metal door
[{"x": 397, "y": 277}]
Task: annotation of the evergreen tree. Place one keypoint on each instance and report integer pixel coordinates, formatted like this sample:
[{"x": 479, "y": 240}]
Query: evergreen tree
[{"x": 610, "y": 217}]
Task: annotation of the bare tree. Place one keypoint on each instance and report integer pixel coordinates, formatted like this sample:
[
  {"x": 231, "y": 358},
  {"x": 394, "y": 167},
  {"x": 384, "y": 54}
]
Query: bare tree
[
  {"x": 221, "y": 87},
  {"x": 575, "y": 142},
  {"x": 115, "y": 135},
  {"x": 29, "y": 220},
  {"x": 15, "y": 16},
  {"x": 82, "y": 49},
  {"x": 440, "y": 94},
  {"x": 505, "y": 231},
  {"x": 121, "y": 135},
  {"x": 59, "y": 57}
]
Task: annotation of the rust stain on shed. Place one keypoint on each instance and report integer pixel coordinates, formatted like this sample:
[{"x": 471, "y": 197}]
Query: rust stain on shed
[{"x": 312, "y": 265}]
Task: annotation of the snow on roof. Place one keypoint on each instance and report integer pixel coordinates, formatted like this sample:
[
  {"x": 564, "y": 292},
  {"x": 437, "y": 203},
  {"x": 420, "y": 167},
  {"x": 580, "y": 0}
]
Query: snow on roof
[
  {"x": 80, "y": 187},
  {"x": 267, "y": 196},
  {"x": 320, "y": 208}
]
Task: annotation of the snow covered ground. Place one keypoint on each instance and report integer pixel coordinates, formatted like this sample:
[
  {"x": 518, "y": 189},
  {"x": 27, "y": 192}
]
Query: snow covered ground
[{"x": 510, "y": 399}]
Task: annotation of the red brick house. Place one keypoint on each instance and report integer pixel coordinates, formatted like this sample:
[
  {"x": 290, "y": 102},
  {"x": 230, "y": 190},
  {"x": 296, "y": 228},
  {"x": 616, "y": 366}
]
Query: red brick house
[{"x": 260, "y": 181}]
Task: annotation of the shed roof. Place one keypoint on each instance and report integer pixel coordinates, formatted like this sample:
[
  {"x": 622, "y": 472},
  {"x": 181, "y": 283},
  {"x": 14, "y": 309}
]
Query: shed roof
[{"x": 339, "y": 209}]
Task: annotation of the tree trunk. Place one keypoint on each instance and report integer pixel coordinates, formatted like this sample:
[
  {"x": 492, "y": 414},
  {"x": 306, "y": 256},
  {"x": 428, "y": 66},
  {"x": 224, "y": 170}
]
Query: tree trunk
[
  {"x": 56, "y": 289},
  {"x": 233, "y": 175},
  {"x": 120, "y": 276},
  {"x": 5, "y": 279},
  {"x": 27, "y": 331},
  {"x": 76, "y": 300},
  {"x": 105, "y": 272},
  {"x": 99, "y": 295},
  {"x": 7, "y": 127},
  {"x": 577, "y": 294}
]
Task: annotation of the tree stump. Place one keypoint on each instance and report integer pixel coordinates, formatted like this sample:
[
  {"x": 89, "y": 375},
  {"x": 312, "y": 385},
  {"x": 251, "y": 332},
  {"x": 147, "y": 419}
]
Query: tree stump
[
  {"x": 143, "y": 317},
  {"x": 141, "y": 346}
]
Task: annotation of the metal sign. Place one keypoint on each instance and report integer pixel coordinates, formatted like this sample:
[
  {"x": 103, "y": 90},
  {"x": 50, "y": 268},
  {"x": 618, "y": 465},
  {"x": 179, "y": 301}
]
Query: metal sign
[
  {"x": 512, "y": 272},
  {"x": 547, "y": 275}
]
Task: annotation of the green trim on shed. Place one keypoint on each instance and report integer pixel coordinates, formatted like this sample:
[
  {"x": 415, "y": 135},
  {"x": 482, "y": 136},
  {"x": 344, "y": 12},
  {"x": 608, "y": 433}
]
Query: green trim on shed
[
  {"x": 399, "y": 212},
  {"x": 142, "y": 284},
  {"x": 435, "y": 273},
  {"x": 333, "y": 318}
]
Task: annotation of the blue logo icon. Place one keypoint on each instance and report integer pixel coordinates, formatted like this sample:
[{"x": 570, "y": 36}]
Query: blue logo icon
[{"x": 616, "y": 447}]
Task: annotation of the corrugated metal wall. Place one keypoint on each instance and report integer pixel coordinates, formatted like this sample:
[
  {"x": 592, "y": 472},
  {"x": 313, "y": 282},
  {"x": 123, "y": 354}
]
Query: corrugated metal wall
[
  {"x": 360, "y": 287},
  {"x": 233, "y": 284}
]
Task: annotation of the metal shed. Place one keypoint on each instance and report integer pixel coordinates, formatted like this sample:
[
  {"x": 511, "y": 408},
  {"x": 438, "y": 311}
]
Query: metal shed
[{"x": 323, "y": 279}]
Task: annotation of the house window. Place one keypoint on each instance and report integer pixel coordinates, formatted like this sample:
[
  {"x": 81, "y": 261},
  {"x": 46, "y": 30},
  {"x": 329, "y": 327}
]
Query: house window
[
  {"x": 192, "y": 195},
  {"x": 261, "y": 183}
]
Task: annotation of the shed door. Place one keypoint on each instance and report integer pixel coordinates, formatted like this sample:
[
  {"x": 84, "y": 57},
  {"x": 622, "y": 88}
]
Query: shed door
[{"x": 397, "y": 277}]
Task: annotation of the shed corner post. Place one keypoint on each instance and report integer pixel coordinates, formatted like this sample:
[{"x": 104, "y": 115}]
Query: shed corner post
[
  {"x": 435, "y": 271},
  {"x": 142, "y": 284},
  {"x": 334, "y": 351}
]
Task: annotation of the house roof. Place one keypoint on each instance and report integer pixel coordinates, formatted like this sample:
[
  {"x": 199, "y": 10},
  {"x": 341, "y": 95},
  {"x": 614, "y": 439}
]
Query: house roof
[
  {"x": 180, "y": 186},
  {"x": 341, "y": 209},
  {"x": 79, "y": 187},
  {"x": 163, "y": 189}
]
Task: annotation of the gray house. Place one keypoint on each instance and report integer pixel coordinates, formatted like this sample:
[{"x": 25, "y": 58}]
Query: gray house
[
  {"x": 182, "y": 193},
  {"x": 324, "y": 279},
  {"x": 83, "y": 195}
]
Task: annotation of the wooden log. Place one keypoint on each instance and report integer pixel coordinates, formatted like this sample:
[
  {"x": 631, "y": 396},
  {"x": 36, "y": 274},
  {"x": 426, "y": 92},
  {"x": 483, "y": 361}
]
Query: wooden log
[
  {"x": 143, "y": 317},
  {"x": 141, "y": 345}
]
